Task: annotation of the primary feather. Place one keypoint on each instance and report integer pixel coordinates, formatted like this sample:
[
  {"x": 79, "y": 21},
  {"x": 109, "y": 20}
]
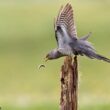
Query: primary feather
[{"x": 64, "y": 25}]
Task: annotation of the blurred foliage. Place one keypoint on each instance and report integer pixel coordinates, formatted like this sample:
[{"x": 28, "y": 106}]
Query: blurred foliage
[{"x": 27, "y": 34}]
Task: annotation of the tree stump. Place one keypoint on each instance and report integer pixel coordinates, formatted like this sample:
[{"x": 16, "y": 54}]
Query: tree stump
[{"x": 69, "y": 84}]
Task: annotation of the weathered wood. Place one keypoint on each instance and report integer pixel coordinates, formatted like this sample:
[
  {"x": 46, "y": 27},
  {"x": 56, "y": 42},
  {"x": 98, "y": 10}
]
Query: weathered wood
[{"x": 69, "y": 84}]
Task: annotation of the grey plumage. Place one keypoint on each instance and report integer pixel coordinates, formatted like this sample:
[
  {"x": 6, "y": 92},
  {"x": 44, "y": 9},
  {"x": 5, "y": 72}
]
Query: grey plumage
[
  {"x": 86, "y": 36},
  {"x": 68, "y": 42}
]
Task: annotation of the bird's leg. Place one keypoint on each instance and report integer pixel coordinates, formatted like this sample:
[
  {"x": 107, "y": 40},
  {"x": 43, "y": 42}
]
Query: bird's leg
[{"x": 74, "y": 56}]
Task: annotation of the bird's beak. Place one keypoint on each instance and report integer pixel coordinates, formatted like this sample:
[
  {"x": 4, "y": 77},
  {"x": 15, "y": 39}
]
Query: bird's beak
[{"x": 45, "y": 59}]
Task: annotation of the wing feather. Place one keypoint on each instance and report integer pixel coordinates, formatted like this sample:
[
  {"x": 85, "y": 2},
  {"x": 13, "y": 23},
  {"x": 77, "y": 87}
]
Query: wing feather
[{"x": 65, "y": 18}]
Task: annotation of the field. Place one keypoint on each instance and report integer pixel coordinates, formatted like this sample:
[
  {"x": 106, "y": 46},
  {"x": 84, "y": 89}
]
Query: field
[{"x": 26, "y": 36}]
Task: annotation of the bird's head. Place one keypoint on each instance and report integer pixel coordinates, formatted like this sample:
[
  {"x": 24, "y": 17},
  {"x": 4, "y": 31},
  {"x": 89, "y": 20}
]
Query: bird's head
[{"x": 54, "y": 54}]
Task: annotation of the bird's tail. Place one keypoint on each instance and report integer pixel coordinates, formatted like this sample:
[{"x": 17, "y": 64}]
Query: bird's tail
[
  {"x": 86, "y": 48},
  {"x": 93, "y": 55},
  {"x": 100, "y": 57}
]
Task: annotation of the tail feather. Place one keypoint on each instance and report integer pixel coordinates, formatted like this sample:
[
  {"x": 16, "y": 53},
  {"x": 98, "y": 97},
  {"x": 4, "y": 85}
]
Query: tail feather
[
  {"x": 85, "y": 48},
  {"x": 92, "y": 54},
  {"x": 100, "y": 57}
]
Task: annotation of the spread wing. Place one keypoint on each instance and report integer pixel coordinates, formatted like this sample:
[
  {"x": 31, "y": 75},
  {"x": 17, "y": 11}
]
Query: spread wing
[{"x": 64, "y": 24}]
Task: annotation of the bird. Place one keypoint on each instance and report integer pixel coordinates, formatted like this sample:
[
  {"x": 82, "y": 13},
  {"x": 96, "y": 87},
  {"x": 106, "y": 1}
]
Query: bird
[{"x": 68, "y": 43}]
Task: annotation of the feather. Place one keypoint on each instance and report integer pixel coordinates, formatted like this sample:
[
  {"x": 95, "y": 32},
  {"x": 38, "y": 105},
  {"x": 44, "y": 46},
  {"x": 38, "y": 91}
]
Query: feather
[
  {"x": 65, "y": 18},
  {"x": 86, "y": 36}
]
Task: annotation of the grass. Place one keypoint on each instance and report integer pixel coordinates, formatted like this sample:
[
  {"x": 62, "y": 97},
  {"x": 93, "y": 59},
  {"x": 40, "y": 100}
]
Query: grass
[
  {"x": 43, "y": 106},
  {"x": 26, "y": 35},
  {"x": 55, "y": 107}
]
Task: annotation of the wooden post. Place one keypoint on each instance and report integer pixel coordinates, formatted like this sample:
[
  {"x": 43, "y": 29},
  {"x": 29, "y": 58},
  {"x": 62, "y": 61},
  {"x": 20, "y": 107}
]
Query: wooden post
[{"x": 69, "y": 84}]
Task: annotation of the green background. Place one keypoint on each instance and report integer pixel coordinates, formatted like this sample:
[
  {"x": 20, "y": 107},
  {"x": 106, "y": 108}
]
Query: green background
[{"x": 27, "y": 35}]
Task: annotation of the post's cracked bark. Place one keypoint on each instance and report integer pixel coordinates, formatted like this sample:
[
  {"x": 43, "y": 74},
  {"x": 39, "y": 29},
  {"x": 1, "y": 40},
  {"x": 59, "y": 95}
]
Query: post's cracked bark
[{"x": 69, "y": 84}]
